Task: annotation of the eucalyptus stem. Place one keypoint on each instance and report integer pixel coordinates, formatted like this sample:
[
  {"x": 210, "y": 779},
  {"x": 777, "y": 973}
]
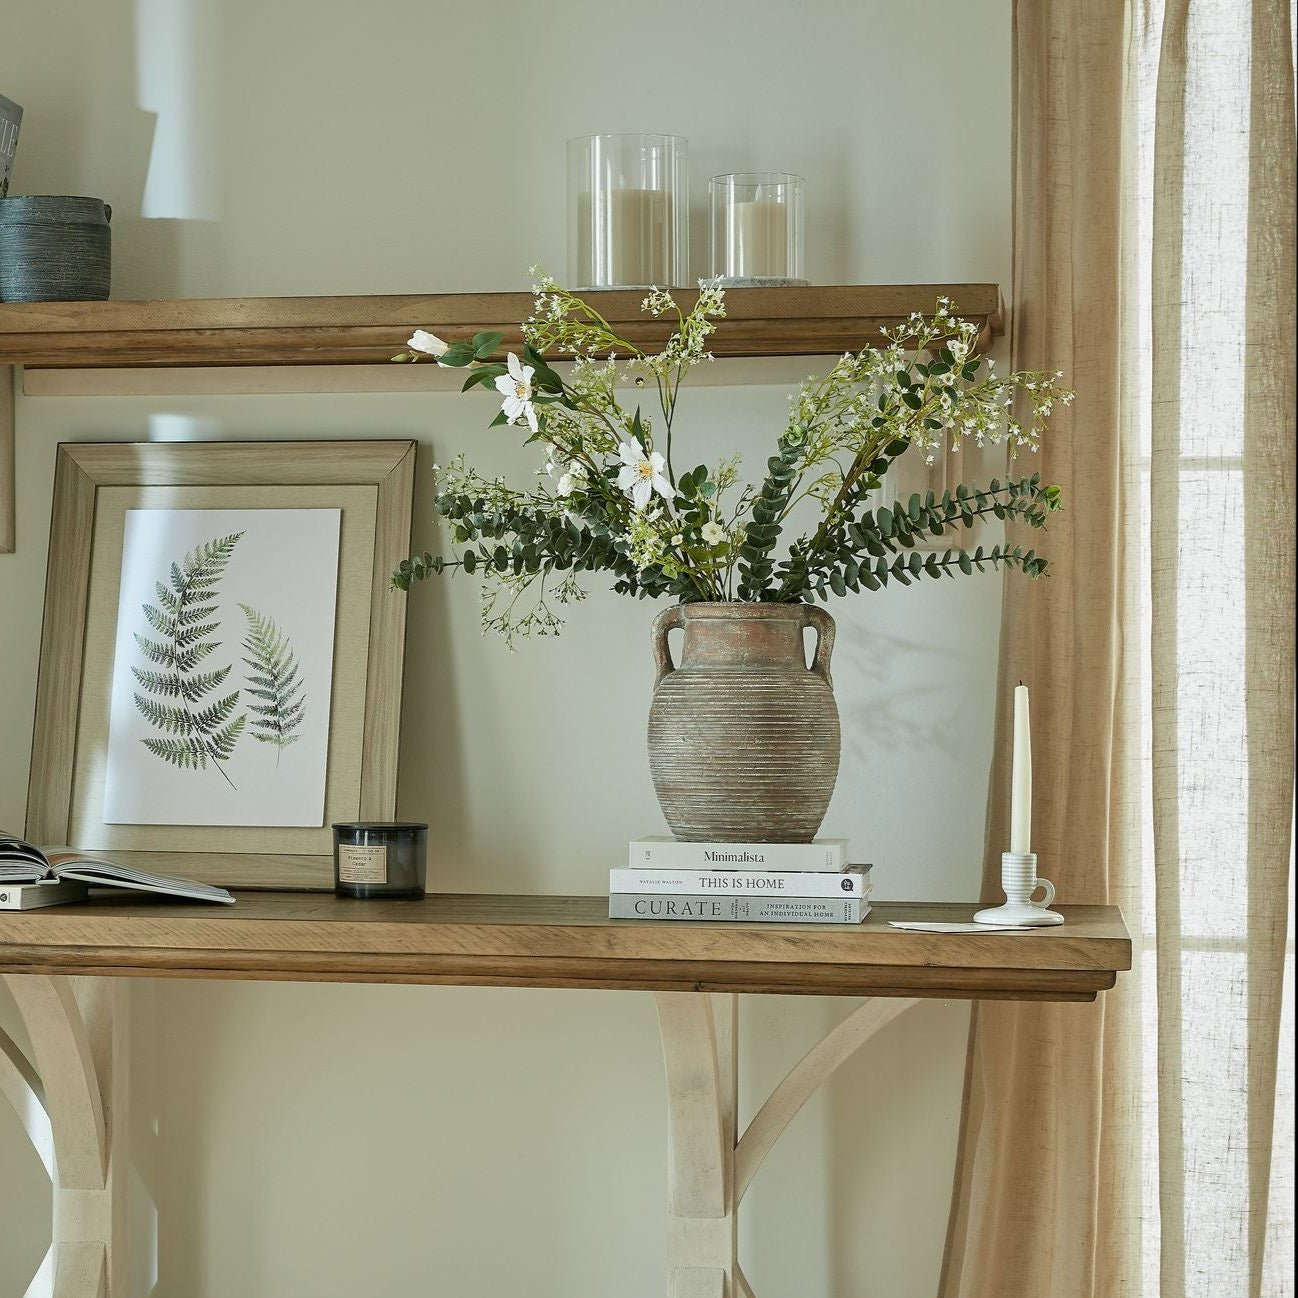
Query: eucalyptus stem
[{"x": 610, "y": 501}]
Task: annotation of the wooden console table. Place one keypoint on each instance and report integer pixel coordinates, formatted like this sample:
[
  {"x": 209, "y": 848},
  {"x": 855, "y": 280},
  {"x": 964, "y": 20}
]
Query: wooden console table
[{"x": 71, "y": 1096}]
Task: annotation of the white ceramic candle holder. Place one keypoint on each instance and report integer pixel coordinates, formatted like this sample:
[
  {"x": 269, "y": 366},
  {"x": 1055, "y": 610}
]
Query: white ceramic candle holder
[{"x": 1019, "y": 880}]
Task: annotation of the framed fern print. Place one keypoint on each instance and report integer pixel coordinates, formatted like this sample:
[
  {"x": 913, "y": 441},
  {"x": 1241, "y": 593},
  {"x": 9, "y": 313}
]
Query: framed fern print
[
  {"x": 222, "y": 664},
  {"x": 221, "y": 656}
]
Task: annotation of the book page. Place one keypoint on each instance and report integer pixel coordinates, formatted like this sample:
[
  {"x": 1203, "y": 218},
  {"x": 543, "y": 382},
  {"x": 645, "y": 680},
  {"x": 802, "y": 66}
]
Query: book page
[{"x": 20, "y": 861}]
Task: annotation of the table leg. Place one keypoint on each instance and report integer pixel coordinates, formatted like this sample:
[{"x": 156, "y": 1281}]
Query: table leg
[
  {"x": 71, "y": 1101},
  {"x": 70, "y": 1098},
  {"x": 699, "y": 1040},
  {"x": 709, "y": 1168}
]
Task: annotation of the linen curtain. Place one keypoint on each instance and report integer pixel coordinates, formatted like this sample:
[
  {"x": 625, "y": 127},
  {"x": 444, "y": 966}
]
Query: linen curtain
[{"x": 1135, "y": 1147}]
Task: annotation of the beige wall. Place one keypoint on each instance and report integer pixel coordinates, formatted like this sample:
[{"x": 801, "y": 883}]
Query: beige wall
[{"x": 349, "y": 1142}]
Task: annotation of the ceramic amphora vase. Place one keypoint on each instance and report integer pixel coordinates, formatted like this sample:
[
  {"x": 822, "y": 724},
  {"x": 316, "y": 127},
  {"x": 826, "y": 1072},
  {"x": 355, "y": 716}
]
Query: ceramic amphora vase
[{"x": 743, "y": 735}]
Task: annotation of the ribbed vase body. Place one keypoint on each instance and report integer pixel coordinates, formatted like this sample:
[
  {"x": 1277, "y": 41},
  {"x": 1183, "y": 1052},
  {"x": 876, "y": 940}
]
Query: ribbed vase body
[{"x": 743, "y": 735}]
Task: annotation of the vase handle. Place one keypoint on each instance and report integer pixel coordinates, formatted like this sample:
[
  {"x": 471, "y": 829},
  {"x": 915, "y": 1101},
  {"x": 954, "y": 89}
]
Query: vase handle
[
  {"x": 825, "y": 631},
  {"x": 667, "y": 620}
]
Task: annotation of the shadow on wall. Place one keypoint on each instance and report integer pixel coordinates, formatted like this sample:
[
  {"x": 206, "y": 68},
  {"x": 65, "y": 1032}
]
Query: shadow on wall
[
  {"x": 161, "y": 171},
  {"x": 886, "y": 716},
  {"x": 175, "y": 236}
]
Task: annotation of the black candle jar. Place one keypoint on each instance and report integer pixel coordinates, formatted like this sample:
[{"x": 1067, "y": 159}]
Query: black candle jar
[{"x": 380, "y": 858}]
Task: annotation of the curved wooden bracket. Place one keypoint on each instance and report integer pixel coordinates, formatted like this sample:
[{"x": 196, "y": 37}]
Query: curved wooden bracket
[
  {"x": 20, "y": 1084},
  {"x": 709, "y": 1169},
  {"x": 61, "y": 1105},
  {"x": 62, "y": 1049},
  {"x": 804, "y": 1079}
]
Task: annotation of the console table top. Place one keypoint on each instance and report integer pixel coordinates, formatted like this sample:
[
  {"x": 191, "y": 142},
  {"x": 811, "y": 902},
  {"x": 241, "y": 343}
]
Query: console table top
[{"x": 540, "y": 941}]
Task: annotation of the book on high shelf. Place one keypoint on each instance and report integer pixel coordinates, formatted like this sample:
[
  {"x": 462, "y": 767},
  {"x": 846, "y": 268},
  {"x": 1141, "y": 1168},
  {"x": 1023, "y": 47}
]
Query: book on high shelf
[
  {"x": 32, "y": 896},
  {"x": 825, "y": 854},
  {"x": 11, "y": 119},
  {"x": 23, "y": 862},
  {"x": 852, "y": 882},
  {"x": 744, "y": 910}
]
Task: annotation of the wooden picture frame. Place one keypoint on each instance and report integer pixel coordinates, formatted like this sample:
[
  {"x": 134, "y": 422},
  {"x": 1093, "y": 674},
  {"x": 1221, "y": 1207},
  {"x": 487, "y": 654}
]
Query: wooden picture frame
[{"x": 372, "y": 483}]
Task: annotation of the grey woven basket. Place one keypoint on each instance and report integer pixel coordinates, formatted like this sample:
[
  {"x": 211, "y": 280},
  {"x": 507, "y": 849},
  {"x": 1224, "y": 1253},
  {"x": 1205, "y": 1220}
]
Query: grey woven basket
[{"x": 54, "y": 248}]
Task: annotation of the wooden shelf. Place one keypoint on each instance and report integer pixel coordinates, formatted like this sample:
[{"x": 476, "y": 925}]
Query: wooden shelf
[
  {"x": 359, "y": 330},
  {"x": 272, "y": 334},
  {"x": 563, "y": 942}
]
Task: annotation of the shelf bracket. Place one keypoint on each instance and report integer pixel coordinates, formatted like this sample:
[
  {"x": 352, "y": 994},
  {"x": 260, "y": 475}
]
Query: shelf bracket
[
  {"x": 71, "y": 1100},
  {"x": 709, "y": 1168}
]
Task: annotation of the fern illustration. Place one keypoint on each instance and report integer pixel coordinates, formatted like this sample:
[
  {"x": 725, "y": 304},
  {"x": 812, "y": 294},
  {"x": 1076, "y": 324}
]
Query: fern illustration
[
  {"x": 183, "y": 618},
  {"x": 274, "y": 682}
]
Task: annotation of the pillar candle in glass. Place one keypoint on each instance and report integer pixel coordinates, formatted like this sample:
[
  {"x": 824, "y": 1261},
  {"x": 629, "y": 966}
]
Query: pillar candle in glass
[
  {"x": 380, "y": 858},
  {"x": 627, "y": 211},
  {"x": 757, "y": 228}
]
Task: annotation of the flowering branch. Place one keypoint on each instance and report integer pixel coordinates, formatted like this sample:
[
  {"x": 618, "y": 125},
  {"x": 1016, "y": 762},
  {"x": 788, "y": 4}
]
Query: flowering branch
[{"x": 609, "y": 500}]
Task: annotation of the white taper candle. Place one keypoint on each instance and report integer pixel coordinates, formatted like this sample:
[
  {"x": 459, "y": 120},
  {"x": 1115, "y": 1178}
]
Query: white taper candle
[{"x": 1021, "y": 775}]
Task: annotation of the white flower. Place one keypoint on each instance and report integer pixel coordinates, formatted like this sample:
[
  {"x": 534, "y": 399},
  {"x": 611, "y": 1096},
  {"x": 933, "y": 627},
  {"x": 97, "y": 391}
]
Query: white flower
[
  {"x": 678, "y": 539},
  {"x": 430, "y": 344},
  {"x": 712, "y": 532},
  {"x": 516, "y": 388},
  {"x": 641, "y": 475},
  {"x": 572, "y": 479}
]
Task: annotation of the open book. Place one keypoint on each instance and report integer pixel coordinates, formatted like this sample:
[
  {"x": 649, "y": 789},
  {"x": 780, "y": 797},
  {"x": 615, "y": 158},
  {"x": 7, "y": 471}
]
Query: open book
[{"x": 23, "y": 862}]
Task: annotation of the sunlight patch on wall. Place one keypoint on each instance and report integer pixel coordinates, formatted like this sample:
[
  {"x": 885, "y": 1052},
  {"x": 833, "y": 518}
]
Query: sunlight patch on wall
[
  {"x": 42, "y": 1285},
  {"x": 176, "y": 80},
  {"x": 167, "y": 426}
]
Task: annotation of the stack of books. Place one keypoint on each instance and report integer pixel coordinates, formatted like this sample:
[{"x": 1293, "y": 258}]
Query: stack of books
[{"x": 783, "y": 883}]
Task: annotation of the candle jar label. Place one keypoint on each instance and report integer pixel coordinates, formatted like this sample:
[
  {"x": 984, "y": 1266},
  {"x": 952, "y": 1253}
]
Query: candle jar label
[{"x": 362, "y": 864}]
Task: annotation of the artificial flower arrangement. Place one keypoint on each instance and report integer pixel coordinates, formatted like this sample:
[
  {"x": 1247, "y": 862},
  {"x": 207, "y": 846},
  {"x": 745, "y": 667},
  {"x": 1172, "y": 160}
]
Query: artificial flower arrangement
[{"x": 610, "y": 497}]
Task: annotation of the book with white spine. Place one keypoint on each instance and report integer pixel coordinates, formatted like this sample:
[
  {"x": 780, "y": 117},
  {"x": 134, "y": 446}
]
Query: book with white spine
[
  {"x": 852, "y": 882},
  {"x": 825, "y": 854},
  {"x": 743, "y": 910},
  {"x": 34, "y": 896}
]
